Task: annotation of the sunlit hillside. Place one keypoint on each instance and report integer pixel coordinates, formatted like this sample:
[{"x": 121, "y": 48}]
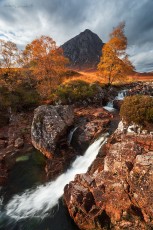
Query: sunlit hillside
[
  {"x": 88, "y": 76},
  {"x": 93, "y": 76}
]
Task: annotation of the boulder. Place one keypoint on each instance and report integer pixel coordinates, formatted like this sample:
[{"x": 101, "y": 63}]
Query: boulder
[
  {"x": 90, "y": 123},
  {"x": 116, "y": 192},
  {"x": 117, "y": 104},
  {"x": 49, "y": 124}
]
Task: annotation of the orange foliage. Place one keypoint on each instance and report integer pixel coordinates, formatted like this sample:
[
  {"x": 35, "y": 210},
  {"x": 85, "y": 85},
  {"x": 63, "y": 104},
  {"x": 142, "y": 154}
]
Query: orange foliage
[
  {"x": 47, "y": 63},
  {"x": 114, "y": 63},
  {"x": 9, "y": 57}
]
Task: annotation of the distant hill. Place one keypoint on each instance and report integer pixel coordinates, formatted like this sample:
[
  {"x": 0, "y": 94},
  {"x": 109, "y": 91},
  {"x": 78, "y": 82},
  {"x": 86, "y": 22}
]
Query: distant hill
[{"x": 84, "y": 50}]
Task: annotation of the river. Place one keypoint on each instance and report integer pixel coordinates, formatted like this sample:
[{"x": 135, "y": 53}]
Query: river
[
  {"x": 29, "y": 203},
  {"x": 41, "y": 206}
]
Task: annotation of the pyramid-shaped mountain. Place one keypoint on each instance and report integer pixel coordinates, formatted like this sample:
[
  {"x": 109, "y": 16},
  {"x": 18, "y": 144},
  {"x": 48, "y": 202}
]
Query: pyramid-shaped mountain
[{"x": 84, "y": 50}]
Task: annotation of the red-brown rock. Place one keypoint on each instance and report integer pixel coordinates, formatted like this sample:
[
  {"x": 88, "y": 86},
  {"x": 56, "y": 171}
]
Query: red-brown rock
[
  {"x": 91, "y": 122},
  {"x": 116, "y": 193}
]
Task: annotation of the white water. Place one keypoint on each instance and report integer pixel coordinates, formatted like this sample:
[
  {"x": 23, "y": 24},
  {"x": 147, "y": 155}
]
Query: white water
[
  {"x": 71, "y": 134},
  {"x": 109, "y": 107},
  {"x": 37, "y": 202},
  {"x": 121, "y": 95}
]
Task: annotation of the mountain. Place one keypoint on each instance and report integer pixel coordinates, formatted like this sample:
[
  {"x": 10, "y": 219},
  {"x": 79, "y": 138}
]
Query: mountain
[{"x": 84, "y": 50}]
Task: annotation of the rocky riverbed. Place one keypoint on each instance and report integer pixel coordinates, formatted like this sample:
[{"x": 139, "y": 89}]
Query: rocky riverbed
[
  {"x": 50, "y": 132},
  {"x": 116, "y": 191},
  {"x": 87, "y": 118}
]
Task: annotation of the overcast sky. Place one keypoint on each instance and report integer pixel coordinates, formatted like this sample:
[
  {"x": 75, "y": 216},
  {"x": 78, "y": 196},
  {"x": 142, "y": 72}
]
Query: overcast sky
[{"x": 21, "y": 21}]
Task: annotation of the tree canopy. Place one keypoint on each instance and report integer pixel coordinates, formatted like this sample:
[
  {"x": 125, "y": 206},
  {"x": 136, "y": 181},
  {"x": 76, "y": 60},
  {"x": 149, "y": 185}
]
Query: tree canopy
[
  {"x": 114, "y": 63},
  {"x": 9, "y": 54},
  {"x": 46, "y": 61},
  {"x": 9, "y": 60}
]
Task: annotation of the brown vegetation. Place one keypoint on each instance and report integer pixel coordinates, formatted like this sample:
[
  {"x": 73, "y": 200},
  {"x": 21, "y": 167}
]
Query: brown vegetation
[{"x": 137, "y": 109}]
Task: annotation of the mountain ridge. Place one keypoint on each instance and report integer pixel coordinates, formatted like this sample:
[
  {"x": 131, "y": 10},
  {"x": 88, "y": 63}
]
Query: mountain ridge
[{"x": 84, "y": 50}]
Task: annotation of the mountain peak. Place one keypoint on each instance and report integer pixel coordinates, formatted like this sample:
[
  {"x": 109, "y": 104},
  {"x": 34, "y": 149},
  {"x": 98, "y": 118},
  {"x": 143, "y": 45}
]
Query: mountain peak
[
  {"x": 87, "y": 31},
  {"x": 84, "y": 50}
]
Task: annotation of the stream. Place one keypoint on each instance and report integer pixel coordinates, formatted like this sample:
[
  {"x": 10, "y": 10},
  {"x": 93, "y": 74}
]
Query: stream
[{"x": 29, "y": 203}]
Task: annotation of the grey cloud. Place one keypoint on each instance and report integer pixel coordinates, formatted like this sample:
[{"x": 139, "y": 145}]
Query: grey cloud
[
  {"x": 140, "y": 25},
  {"x": 63, "y": 19}
]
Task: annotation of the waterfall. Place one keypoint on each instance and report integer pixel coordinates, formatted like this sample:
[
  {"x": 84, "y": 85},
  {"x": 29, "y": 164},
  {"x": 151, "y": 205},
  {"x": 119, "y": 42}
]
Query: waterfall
[
  {"x": 38, "y": 202},
  {"x": 71, "y": 134},
  {"x": 109, "y": 106},
  {"x": 120, "y": 96}
]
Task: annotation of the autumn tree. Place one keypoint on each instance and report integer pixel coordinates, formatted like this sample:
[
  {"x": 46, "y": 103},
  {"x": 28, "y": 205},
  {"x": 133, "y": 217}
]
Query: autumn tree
[
  {"x": 114, "y": 63},
  {"x": 9, "y": 56},
  {"x": 46, "y": 61}
]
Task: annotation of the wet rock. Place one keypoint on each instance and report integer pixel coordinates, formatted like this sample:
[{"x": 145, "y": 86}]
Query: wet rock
[
  {"x": 90, "y": 122},
  {"x": 117, "y": 104},
  {"x": 120, "y": 185},
  {"x": 49, "y": 124},
  {"x": 3, "y": 171},
  {"x": 2, "y": 144},
  {"x": 145, "y": 88},
  {"x": 61, "y": 161},
  {"x": 19, "y": 142},
  {"x": 4, "y": 118},
  {"x": 112, "y": 92},
  {"x": 15, "y": 140}
]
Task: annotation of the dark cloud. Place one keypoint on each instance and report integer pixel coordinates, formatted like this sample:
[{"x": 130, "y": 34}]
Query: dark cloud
[
  {"x": 140, "y": 25},
  {"x": 23, "y": 20}
]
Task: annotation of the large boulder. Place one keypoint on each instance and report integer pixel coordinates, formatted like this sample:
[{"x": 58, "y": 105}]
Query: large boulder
[
  {"x": 49, "y": 124},
  {"x": 116, "y": 193},
  {"x": 90, "y": 123}
]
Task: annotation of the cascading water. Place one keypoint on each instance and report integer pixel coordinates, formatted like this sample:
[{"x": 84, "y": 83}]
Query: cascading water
[
  {"x": 37, "y": 202},
  {"x": 71, "y": 134},
  {"x": 120, "y": 96},
  {"x": 109, "y": 106}
]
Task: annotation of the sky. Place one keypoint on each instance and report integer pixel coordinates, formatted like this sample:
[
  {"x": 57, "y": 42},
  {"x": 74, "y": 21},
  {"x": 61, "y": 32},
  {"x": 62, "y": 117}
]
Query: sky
[{"x": 21, "y": 21}]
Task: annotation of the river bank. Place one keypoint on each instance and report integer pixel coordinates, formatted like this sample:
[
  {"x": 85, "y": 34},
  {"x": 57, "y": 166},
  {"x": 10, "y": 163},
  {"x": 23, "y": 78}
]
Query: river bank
[{"x": 93, "y": 121}]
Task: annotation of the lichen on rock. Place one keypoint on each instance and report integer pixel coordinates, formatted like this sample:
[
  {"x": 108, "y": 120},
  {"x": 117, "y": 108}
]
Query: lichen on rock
[{"x": 49, "y": 124}]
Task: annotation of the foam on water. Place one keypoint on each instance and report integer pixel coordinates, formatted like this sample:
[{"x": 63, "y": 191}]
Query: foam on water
[
  {"x": 109, "y": 107},
  {"x": 38, "y": 202},
  {"x": 71, "y": 134},
  {"x": 121, "y": 94}
]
